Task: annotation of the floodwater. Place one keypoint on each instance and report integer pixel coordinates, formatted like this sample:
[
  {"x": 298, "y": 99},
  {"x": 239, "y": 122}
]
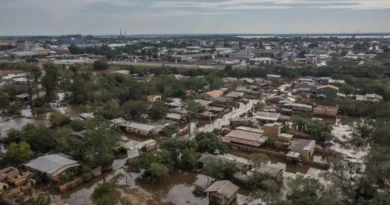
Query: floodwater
[
  {"x": 178, "y": 188},
  {"x": 17, "y": 123}
]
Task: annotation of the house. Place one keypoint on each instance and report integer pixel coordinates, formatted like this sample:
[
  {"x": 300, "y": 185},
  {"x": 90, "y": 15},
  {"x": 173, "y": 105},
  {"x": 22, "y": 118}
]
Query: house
[
  {"x": 274, "y": 130},
  {"x": 203, "y": 103},
  {"x": 250, "y": 129},
  {"x": 53, "y": 165},
  {"x": 153, "y": 98},
  {"x": 305, "y": 80},
  {"x": 246, "y": 81},
  {"x": 139, "y": 128},
  {"x": 274, "y": 78},
  {"x": 235, "y": 95},
  {"x": 176, "y": 117},
  {"x": 304, "y": 147},
  {"x": 327, "y": 91},
  {"x": 174, "y": 102},
  {"x": 372, "y": 98},
  {"x": 325, "y": 111},
  {"x": 272, "y": 170},
  {"x": 262, "y": 82},
  {"x": 262, "y": 61},
  {"x": 229, "y": 80},
  {"x": 211, "y": 94},
  {"x": 245, "y": 140},
  {"x": 301, "y": 107},
  {"x": 222, "y": 193},
  {"x": 292, "y": 157},
  {"x": 248, "y": 122},
  {"x": 266, "y": 116}
]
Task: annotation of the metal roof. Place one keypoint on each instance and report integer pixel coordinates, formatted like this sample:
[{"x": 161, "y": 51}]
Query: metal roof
[
  {"x": 49, "y": 164},
  {"x": 143, "y": 127},
  {"x": 300, "y": 144},
  {"x": 224, "y": 187}
]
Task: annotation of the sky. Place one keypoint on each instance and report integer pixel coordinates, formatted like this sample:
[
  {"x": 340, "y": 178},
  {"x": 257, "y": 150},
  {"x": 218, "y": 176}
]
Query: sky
[{"x": 102, "y": 17}]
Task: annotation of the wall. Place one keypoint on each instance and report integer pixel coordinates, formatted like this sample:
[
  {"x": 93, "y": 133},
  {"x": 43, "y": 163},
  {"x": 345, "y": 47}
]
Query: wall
[{"x": 272, "y": 131}]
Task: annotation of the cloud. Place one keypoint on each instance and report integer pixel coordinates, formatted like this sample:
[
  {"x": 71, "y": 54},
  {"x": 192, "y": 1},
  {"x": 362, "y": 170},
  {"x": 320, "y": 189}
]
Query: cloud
[{"x": 277, "y": 4}]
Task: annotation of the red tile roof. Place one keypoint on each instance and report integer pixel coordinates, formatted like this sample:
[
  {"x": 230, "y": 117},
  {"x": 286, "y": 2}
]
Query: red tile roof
[{"x": 215, "y": 93}]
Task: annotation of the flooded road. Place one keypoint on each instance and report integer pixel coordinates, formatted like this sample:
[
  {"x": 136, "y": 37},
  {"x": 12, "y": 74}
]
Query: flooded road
[{"x": 17, "y": 123}]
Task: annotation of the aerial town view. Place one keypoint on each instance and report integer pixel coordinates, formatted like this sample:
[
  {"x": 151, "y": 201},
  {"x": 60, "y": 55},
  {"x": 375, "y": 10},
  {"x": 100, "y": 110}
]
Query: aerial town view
[{"x": 208, "y": 113}]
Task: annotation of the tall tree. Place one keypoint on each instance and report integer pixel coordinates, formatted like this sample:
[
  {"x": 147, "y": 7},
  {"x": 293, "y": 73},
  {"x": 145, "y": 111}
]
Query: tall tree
[
  {"x": 101, "y": 141},
  {"x": 50, "y": 81},
  {"x": 158, "y": 110}
]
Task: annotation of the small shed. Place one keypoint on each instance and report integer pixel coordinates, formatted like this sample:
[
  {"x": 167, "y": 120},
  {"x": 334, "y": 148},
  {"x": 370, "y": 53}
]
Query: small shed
[
  {"x": 292, "y": 157},
  {"x": 222, "y": 192}
]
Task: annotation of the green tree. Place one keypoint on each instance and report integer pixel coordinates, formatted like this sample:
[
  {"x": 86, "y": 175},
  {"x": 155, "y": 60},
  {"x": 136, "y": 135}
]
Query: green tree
[
  {"x": 134, "y": 109},
  {"x": 158, "y": 110},
  {"x": 156, "y": 172},
  {"x": 103, "y": 194},
  {"x": 257, "y": 159},
  {"x": 101, "y": 141},
  {"x": 193, "y": 110},
  {"x": 100, "y": 64},
  {"x": 18, "y": 154},
  {"x": 41, "y": 200},
  {"x": 210, "y": 143},
  {"x": 220, "y": 169},
  {"x": 188, "y": 159},
  {"x": 50, "y": 81}
]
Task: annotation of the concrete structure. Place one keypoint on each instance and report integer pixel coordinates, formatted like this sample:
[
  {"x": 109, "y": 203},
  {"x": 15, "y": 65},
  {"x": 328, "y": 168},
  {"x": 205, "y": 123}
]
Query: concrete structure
[
  {"x": 272, "y": 130},
  {"x": 267, "y": 117},
  {"x": 304, "y": 147},
  {"x": 372, "y": 98},
  {"x": 153, "y": 98},
  {"x": 22, "y": 45},
  {"x": 245, "y": 138},
  {"x": 52, "y": 165},
  {"x": 325, "y": 111},
  {"x": 262, "y": 61},
  {"x": 274, "y": 78},
  {"x": 222, "y": 193}
]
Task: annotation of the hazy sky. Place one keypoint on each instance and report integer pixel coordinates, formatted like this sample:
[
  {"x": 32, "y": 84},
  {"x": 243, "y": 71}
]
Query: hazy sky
[{"x": 33, "y": 17}]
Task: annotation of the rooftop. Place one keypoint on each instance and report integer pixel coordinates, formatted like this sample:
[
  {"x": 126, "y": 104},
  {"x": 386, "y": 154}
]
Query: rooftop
[
  {"x": 235, "y": 94},
  {"x": 50, "y": 164},
  {"x": 300, "y": 144},
  {"x": 224, "y": 187},
  {"x": 267, "y": 116}
]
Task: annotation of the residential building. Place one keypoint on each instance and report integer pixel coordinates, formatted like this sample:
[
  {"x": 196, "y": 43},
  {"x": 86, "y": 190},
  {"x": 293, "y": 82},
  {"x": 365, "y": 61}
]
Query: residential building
[
  {"x": 262, "y": 61},
  {"x": 235, "y": 95},
  {"x": 176, "y": 117},
  {"x": 246, "y": 81},
  {"x": 274, "y": 78},
  {"x": 305, "y": 148},
  {"x": 245, "y": 140},
  {"x": 250, "y": 129},
  {"x": 153, "y": 98},
  {"x": 222, "y": 193},
  {"x": 53, "y": 165},
  {"x": 327, "y": 91},
  {"x": 211, "y": 94},
  {"x": 272, "y": 130},
  {"x": 22, "y": 45},
  {"x": 325, "y": 111},
  {"x": 248, "y": 122},
  {"x": 372, "y": 98},
  {"x": 267, "y": 117}
]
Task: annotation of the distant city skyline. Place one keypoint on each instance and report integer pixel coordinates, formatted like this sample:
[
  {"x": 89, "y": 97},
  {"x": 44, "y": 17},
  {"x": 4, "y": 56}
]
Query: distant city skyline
[{"x": 106, "y": 17}]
